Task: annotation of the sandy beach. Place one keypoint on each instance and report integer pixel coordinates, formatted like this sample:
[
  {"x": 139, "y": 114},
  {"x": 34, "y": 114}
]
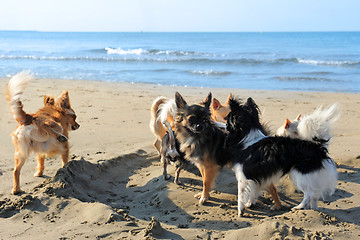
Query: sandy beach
[{"x": 113, "y": 188}]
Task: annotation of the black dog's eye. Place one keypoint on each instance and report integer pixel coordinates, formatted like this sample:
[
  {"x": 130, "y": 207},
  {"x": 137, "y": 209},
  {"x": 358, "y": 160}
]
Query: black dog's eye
[{"x": 192, "y": 119}]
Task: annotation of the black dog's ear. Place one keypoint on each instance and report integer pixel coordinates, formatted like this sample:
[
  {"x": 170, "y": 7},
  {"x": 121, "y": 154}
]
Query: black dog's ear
[
  {"x": 179, "y": 100},
  {"x": 252, "y": 107},
  {"x": 234, "y": 103},
  {"x": 207, "y": 100}
]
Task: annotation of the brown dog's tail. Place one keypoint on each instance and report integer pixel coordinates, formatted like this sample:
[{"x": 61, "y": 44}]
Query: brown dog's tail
[
  {"x": 156, "y": 127},
  {"x": 15, "y": 89}
]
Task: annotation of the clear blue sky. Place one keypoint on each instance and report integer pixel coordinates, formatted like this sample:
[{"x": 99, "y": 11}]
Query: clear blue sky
[{"x": 180, "y": 15}]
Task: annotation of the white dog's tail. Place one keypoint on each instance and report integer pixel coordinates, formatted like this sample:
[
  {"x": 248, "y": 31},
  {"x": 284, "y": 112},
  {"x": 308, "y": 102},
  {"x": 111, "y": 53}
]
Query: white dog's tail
[
  {"x": 156, "y": 127},
  {"x": 17, "y": 85},
  {"x": 317, "y": 125}
]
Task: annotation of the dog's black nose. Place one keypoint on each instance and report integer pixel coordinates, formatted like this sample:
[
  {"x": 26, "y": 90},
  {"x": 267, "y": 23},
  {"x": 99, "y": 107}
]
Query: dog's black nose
[{"x": 75, "y": 127}]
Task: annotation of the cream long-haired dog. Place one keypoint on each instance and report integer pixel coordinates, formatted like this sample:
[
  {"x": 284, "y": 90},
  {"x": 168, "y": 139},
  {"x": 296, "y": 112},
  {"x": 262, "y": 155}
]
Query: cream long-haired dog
[{"x": 44, "y": 132}]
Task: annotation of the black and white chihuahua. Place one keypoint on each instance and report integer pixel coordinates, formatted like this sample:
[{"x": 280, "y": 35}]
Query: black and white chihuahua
[{"x": 260, "y": 161}]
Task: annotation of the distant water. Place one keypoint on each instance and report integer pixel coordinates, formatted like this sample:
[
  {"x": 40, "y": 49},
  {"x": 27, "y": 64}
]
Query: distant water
[{"x": 316, "y": 61}]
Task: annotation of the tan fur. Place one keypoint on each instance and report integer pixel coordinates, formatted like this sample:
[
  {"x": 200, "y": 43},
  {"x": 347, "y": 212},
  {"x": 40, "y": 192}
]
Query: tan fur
[
  {"x": 275, "y": 197},
  {"x": 219, "y": 112},
  {"x": 44, "y": 133},
  {"x": 208, "y": 169}
]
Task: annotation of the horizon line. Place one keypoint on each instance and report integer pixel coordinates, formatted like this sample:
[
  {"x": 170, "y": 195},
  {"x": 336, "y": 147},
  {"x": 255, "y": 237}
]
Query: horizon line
[{"x": 308, "y": 31}]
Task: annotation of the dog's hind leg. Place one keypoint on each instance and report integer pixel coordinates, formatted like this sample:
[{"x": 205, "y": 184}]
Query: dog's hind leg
[
  {"x": 305, "y": 204},
  {"x": 177, "y": 173},
  {"x": 164, "y": 162},
  {"x": 157, "y": 145},
  {"x": 275, "y": 197},
  {"x": 19, "y": 163},
  {"x": 40, "y": 167},
  {"x": 314, "y": 202}
]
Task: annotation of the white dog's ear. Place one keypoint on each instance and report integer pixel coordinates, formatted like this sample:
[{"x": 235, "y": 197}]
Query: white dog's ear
[
  {"x": 287, "y": 123},
  {"x": 298, "y": 117},
  {"x": 179, "y": 100}
]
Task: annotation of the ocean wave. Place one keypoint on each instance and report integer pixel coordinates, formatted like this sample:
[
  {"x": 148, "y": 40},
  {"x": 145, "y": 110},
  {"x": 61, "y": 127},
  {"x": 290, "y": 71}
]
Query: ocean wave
[
  {"x": 120, "y": 51},
  {"x": 137, "y": 55},
  {"x": 239, "y": 61},
  {"x": 210, "y": 72},
  {"x": 305, "y": 79},
  {"x": 140, "y": 51},
  {"x": 328, "y": 62}
]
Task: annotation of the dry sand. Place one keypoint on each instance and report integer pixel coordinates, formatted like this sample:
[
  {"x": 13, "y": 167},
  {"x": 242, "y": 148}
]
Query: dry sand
[{"x": 113, "y": 187}]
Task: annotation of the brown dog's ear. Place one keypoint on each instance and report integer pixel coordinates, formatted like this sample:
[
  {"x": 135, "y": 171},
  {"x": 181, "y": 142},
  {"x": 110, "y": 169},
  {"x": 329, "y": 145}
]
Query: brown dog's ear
[
  {"x": 64, "y": 100},
  {"x": 207, "y": 100},
  {"x": 287, "y": 123},
  {"x": 48, "y": 100},
  {"x": 228, "y": 99},
  {"x": 216, "y": 104},
  {"x": 179, "y": 100}
]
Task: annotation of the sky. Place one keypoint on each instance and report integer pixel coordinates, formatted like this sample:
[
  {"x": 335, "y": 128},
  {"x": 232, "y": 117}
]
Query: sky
[{"x": 180, "y": 15}]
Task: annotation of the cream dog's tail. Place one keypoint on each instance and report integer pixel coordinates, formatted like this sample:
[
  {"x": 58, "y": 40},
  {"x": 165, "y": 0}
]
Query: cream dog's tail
[
  {"x": 156, "y": 127},
  {"x": 17, "y": 85}
]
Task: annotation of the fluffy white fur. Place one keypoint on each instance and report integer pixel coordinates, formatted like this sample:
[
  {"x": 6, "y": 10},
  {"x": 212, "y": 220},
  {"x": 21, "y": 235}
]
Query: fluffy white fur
[
  {"x": 316, "y": 125},
  {"x": 254, "y": 136},
  {"x": 154, "y": 121},
  {"x": 159, "y": 115},
  {"x": 16, "y": 87},
  {"x": 168, "y": 108},
  {"x": 219, "y": 124},
  {"x": 315, "y": 185},
  {"x": 249, "y": 190}
]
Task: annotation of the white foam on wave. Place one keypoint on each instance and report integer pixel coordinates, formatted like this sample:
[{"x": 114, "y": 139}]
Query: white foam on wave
[
  {"x": 121, "y": 51},
  {"x": 209, "y": 72},
  {"x": 324, "y": 62}
]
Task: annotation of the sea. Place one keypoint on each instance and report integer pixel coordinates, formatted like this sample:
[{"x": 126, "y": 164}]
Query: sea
[{"x": 296, "y": 61}]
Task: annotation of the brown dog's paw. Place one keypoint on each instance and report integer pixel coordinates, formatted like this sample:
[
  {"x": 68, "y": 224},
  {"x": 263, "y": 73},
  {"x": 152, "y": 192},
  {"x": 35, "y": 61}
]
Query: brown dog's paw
[
  {"x": 202, "y": 199},
  {"x": 17, "y": 191},
  {"x": 275, "y": 207},
  {"x": 198, "y": 195},
  {"x": 38, "y": 174}
]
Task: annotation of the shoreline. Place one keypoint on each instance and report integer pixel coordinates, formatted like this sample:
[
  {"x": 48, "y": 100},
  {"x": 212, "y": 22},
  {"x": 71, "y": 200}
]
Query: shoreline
[
  {"x": 184, "y": 86},
  {"x": 115, "y": 137}
]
